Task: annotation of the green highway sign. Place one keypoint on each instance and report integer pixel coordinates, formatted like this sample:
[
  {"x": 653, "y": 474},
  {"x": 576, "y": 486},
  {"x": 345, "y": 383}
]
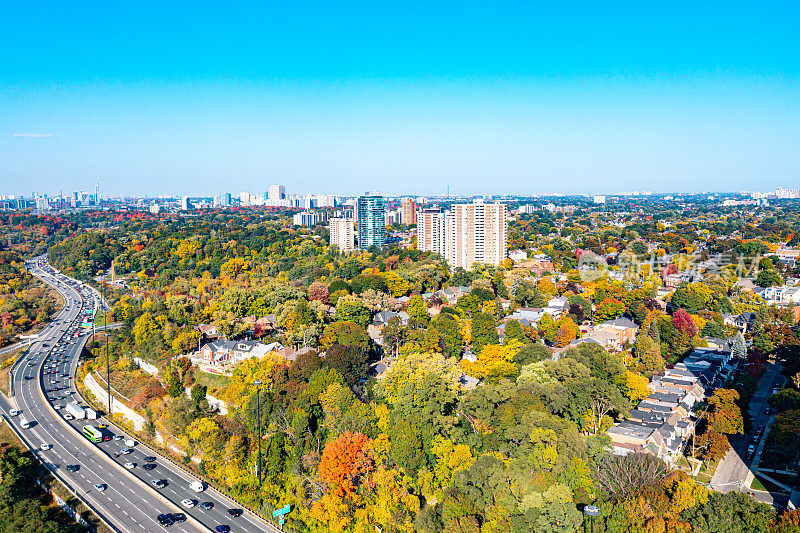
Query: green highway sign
[{"x": 282, "y": 511}]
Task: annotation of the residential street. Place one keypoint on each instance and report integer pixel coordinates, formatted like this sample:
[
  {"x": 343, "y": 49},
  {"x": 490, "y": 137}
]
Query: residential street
[{"x": 733, "y": 471}]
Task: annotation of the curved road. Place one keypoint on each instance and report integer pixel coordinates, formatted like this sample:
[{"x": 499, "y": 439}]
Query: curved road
[{"x": 43, "y": 383}]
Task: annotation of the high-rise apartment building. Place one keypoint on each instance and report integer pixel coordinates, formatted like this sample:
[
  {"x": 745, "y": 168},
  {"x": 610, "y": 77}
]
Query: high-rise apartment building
[
  {"x": 309, "y": 218},
  {"x": 408, "y": 211},
  {"x": 467, "y": 234},
  {"x": 276, "y": 192},
  {"x": 432, "y": 234},
  {"x": 222, "y": 200},
  {"x": 371, "y": 221},
  {"x": 244, "y": 198},
  {"x": 343, "y": 234}
]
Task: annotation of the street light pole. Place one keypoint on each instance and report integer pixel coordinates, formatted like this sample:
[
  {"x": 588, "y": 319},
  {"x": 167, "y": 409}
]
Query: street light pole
[
  {"x": 591, "y": 511},
  {"x": 257, "y": 383},
  {"x": 105, "y": 330}
]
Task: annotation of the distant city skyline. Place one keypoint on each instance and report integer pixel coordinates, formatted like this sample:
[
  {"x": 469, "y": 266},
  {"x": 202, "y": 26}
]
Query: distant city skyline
[{"x": 513, "y": 99}]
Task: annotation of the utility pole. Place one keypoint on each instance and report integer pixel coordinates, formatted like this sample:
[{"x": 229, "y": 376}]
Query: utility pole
[{"x": 257, "y": 383}]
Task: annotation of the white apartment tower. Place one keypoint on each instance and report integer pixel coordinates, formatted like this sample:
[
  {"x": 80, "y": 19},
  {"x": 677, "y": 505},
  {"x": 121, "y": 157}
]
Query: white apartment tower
[
  {"x": 343, "y": 233},
  {"x": 276, "y": 192},
  {"x": 467, "y": 234}
]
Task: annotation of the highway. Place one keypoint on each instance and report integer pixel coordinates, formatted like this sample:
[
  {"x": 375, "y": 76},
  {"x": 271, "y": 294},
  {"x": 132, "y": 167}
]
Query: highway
[{"x": 43, "y": 384}]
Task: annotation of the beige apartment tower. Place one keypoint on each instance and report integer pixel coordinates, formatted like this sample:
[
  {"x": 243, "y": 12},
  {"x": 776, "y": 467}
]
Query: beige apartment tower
[
  {"x": 343, "y": 234},
  {"x": 467, "y": 234}
]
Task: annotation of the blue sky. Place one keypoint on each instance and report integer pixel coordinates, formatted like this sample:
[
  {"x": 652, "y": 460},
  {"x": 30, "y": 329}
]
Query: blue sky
[{"x": 404, "y": 97}]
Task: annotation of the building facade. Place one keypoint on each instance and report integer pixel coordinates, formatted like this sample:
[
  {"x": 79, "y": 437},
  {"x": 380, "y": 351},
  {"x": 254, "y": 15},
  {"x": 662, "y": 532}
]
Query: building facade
[
  {"x": 432, "y": 234},
  {"x": 408, "y": 211},
  {"x": 371, "y": 220},
  {"x": 343, "y": 234},
  {"x": 276, "y": 192},
  {"x": 467, "y": 234},
  {"x": 309, "y": 218}
]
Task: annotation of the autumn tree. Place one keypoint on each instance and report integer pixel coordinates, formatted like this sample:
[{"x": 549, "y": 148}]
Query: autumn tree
[
  {"x": 608, "y": 309},
  {"x": 683, "y": 323},
  {"x": 318, "y": 291},
  {"x": 649, "y": 354},
  {"x": 726, "y": 416},
  {"x": 636, "y": 388},
  {"x": 345, "y": 462}
]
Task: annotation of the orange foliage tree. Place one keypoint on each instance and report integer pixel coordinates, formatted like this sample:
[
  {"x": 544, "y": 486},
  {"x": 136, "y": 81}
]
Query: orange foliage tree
[{"x": 344, "y": 462}]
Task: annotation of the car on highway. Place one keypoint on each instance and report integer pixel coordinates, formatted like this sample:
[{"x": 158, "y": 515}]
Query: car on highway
[
  {"x": 150, "y": 459},
  {"x": 206, "y": 506},
  {"x": 73, "y": 468},
  {"x": 68, "y": 416},
  {"x": 235, "y": 513},
  {"x": 165, "y": 520},
  {"x": 118, "y": 437},
  {"x": 126, "y": 451},
  {"x": 222, "y": 528},
  {"x": 100, "y": 486},
  {"x": 148, "y": 466},
  {"x": 179, "y": 517},
  {"x": 130, "y": 466},
  {"x": 159, "y": 483},
  {"x": 188, "y": 503}
]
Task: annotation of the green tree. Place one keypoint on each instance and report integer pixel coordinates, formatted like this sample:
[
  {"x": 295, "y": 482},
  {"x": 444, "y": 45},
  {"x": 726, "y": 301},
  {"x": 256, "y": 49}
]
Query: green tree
[
  {"x": 649, "y": 354},
  {"x": 352, "y": 310},
  {"x": 768, "y": 278},
  {"x": 513, "y": 330},
  {"x": 416, "y": 308},
  {"x": 733, "y": 512},
  {"x": 484, "y": 331},
  {"x": 351, "y": 361}
]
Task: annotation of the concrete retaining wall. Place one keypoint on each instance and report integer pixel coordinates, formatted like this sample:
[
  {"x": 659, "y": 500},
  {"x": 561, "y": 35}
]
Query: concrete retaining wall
[{"x": 101, "y": 396}]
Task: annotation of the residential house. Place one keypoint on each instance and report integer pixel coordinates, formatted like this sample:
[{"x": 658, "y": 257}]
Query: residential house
[
  {"x": 781, "y": 295},
  {"x": 208, "y": 331},
  {"x": 380, "y": 320},
  {"x": 614, "y": 334},
  {"x": 220, "y": 356},
  {"x": 742, "y": 322}
]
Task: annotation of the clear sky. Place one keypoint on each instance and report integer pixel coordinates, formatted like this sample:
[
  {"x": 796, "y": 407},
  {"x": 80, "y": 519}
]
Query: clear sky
[{"x": 406, "y": 97}]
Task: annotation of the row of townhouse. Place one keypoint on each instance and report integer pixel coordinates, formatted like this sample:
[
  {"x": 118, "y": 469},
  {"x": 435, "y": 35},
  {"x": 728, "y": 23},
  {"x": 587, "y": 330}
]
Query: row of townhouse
[{"x": 664, "y": 420}]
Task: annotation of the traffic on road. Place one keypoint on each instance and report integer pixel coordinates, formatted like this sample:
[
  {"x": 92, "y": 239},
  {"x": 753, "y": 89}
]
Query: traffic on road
[{"x": 130, "y": 485}]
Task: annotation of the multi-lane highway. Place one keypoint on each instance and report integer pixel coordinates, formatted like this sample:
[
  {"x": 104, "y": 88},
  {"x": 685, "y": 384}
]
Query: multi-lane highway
[{"x": 113, "y": 476}]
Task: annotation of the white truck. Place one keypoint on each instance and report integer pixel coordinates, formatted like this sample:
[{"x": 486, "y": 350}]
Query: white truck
[
  {"x": 23, "y": 422},
  {"x": 91, "y": 414},
  {"x": 77, "y": 411}
]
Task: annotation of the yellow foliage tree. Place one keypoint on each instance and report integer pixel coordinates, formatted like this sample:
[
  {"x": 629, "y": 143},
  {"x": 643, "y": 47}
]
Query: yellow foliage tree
[{"x": 636, "y": 387}]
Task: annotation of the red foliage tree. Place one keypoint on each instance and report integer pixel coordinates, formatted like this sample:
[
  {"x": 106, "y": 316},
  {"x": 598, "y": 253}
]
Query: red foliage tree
[
  {"x": 318, "y": 291},
  {"x": 684, "y": 323}
]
